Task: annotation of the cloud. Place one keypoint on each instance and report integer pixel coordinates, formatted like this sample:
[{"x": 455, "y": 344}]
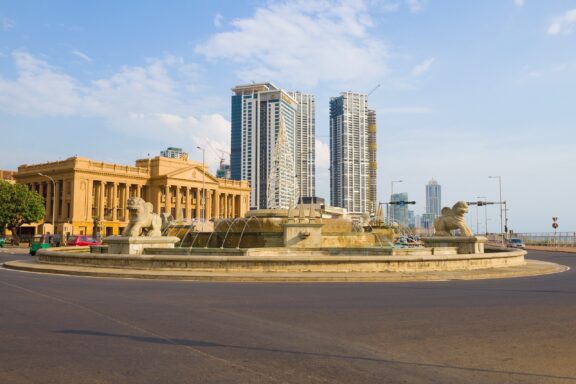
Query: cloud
[
  {"x": 150, "y": 101},
  {"x": 7, "y": 23},
  {"x": 303, "y": 43},
  {"x": 564, "y": 24},
  {"x": 519, "y": 3},
  {"x": 423, "y": 67},
  {"x": 82, "y": 55},
  {"x": 218, "y": 20},
  {"x": 416, "y": 5}
]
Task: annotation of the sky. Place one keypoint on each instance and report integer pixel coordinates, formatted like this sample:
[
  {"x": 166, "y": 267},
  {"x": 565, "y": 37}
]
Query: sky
[{"x": 467, "y": 89}]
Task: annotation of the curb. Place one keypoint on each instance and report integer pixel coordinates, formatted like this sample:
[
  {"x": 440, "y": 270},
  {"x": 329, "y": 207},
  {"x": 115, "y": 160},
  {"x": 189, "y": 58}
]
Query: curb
[{"x": 531, "y": 268}]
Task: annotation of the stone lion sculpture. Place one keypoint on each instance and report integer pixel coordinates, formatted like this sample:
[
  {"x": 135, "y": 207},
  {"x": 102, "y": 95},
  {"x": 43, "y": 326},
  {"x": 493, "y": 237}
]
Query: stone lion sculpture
[
  {"x": 452, "y": 219},
  {"x": 141, "y": 217}
]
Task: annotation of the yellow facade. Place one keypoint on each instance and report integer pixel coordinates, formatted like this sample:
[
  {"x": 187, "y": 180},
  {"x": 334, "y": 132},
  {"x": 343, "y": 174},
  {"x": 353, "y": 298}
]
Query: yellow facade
[{"x": 84, "y": 189}]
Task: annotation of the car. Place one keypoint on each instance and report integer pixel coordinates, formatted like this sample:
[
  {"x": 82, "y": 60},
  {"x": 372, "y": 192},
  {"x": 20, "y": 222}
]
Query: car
[
  {"x": 2, "y": 241},
  {"x": 44, "y": 241},
  {"x": 82, "y": 241},
  {"x": 516, "y": 243}
]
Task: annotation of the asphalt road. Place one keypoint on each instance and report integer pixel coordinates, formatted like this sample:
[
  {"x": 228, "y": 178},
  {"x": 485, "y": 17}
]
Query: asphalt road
[{"x": 61, "y": 329}]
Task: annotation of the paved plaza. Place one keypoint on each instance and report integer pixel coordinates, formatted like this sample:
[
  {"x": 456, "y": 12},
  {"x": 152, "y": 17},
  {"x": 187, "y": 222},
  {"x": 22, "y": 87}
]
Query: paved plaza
[{"x": 64, "y": 329}]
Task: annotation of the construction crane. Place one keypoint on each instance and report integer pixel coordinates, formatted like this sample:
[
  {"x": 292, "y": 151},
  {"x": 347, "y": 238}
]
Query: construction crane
[
  {"x": 373, "y": 89},
  {"x": 222, "y": 154}
]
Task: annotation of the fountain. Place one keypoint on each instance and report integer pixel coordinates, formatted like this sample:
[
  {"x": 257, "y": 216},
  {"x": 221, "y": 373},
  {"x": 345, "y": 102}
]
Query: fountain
[{"x": 277, "y": 244}]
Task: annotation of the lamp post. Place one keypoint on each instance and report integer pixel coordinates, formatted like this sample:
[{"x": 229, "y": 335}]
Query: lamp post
[
  {"x": 53, "y": 199},
  {"x": 391, "y": 196},
  {"x": 203, "y": 196},
  {"x": 500, "y": 201},
  {"x": 485, "y": 214}
]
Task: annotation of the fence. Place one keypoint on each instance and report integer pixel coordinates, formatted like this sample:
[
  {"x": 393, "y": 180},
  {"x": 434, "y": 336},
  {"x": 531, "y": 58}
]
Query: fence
[{"x": 561, "y": 239}]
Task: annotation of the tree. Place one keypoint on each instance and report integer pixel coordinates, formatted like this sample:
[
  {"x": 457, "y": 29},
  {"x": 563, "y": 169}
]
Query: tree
[{"x": 19, "y": 206}]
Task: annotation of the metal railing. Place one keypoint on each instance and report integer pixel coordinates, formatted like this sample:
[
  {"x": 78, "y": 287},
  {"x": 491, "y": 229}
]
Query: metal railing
[{"x": 560, "y": 239}]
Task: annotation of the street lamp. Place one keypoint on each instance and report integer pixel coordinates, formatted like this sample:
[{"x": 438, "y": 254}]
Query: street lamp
[
  {"x": 500, "y": 201},
  {"x": 391, "y": 197},
  {"x": 203, "y": 196},
  {"x": 53, "y": 199},
  {"x": 485, "y": 214}
]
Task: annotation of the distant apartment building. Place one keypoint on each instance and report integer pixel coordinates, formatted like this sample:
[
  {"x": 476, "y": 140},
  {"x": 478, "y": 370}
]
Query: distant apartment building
[
  {"x": 174, "y": 153},
  {"x": 349, "y": 152},
  {"x": 400, "y": 212},
  {"x": 427, "y": 220},
  {"x": 305, "y": 143},
  {"x": 273, "y": 144},
  {"x": 433, "y": 198},
  {"x": 411, "y": 219},
  {"x": 223, "y": 171},
  {"x": 373, "y": 163}
]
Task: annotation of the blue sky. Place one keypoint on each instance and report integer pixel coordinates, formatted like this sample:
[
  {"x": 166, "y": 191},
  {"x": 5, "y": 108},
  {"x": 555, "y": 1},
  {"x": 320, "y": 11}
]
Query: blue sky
[{"x": 468, "y": 89}]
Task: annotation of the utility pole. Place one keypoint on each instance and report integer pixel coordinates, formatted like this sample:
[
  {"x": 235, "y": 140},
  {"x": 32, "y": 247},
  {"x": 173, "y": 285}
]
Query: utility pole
[
  {"x": 485, "y": 214},
  {"x": 500, "y": 193}
]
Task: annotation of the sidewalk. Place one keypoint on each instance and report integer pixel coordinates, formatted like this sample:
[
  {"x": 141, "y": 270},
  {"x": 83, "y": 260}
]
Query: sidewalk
[
  {"x": 551, "y": 248},
  {"x": 14, "y": 249}
]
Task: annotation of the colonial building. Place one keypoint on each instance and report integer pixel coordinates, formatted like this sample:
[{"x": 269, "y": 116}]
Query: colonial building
[{"x": 79, "y": 190}]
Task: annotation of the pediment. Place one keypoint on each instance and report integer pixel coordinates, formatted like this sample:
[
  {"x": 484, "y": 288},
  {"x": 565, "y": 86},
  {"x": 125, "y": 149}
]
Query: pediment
[{"x": 192, "y": 173}]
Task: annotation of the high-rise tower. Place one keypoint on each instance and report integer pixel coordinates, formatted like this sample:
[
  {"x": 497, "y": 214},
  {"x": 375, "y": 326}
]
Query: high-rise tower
[
  {"x": 305, "y": 143},
  {"x": 373, "y": 162},
  {"x": 349, "y": 159},
  {"x": 433, "y": 198},
  {"x": 263, "y": 143}
]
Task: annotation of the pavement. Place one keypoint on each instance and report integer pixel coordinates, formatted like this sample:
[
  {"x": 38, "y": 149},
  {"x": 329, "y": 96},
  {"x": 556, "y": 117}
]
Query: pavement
[
  {"x": 551, "y": 248},
  {"x": 14, "y": 250},
  {"x": 67, "y": 329}
]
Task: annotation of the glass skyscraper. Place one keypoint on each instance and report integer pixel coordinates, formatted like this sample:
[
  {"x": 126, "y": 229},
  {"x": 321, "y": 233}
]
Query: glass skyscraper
[
  {"x": 433, "y": 198},
  {"x": 349, "y": 155},
  {"x": 272, "y": 143},
  {"x": 305, "y": 144}
]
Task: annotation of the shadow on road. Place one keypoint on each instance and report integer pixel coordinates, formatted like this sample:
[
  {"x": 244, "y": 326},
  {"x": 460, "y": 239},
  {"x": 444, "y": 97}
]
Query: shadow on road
[{"x": 200, "y": 343}]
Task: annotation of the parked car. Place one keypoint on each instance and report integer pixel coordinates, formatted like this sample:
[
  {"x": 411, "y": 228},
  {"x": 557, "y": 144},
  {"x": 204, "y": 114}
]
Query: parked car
[
  {"x": 2, "y": 241},
  {"x": 82, "y": 241},
  {"x": 515, "y": 243},
  {"x": 44, "y": 241}
]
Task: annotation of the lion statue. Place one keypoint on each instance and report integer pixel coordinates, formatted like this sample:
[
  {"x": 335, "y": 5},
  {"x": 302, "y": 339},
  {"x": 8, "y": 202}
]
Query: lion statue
[
  {"x": 141, "y": 217},
  {"x": 452, "y": 219}
]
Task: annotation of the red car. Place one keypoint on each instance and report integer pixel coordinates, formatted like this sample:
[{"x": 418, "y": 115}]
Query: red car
[{"x": 82, "y": 241}]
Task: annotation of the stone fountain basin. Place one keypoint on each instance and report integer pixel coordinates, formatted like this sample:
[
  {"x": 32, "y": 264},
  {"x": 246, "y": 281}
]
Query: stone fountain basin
[{"x": 284, "y": 260}]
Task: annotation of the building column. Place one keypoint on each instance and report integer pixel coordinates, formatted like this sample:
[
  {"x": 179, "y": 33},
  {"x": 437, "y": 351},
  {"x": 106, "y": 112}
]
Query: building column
[
  {"x": 178, "y": 213},
  {"x": 49, "y": 195},
  {"x": 90, "y": 193},
  {"x": 188, "y": 206},
  {"x": 156, "y": 195},
  {"x": 101, "y": 200},
  {"x": 229, "y": 197},
  {"x": 168, "y": 200},
  {"x": 216, "y": 204},
  {"x": 197, "y": 196},
  {"x": 123, "y": 201},
  {"x": 57, "y": 201},
  {"x": 113, "y": 201}
]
